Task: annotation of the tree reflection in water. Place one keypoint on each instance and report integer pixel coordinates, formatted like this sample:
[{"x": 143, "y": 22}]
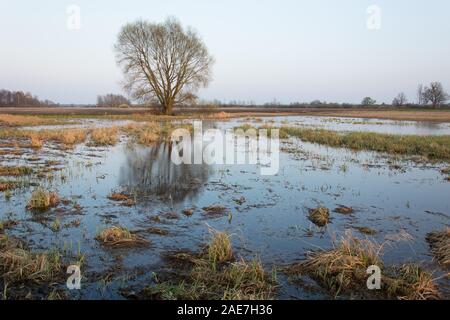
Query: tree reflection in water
[{"x": 150, "y": 172}]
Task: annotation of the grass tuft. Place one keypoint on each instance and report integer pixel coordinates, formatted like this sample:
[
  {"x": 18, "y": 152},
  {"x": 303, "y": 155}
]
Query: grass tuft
[
  {"x": 117, "y": 236},
  {"x": 123, "y": 198},
  {"x": 344, "y": 210},
  {"x": 104, "y": 136},
  {"x": 42, "y": 199},
  {"x": 320, "y": 216},
  {"x": 219, "y": 250}
]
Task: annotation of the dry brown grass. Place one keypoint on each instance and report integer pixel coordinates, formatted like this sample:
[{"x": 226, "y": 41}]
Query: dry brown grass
[
  {"x": 104, "y": 136},
  {"x": 67, "y": 137},
  {"x": 410, "y": 282},
  {"x": 440, "y": 246},
  {"x": 72, "y": 136},
  {"x": 147, "y": 137},
  {"x": 15, "y": 171},
  {"x": 344, "y": 210},
  {"x": 200, "y": 277},
  {"x": 36, "y": 142},
  {"x": 150, "y": 132},
  {"x": 18, "y": 120},
  {"x": 214, "y": 210},
  {"x": 123, "y": 198},
  {"x": 117, "y": 236},
  {"x": 217, "y": 116},
  {"x": 18, "y": 264},
  {"x": 188, "y": 212},
  {"x": 219, "y": 250},
  {"x": 7, "y": 185}
]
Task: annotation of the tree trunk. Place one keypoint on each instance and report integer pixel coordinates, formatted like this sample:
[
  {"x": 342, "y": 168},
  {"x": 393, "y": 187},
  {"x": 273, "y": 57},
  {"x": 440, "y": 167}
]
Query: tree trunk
[{"x": 168, "y": 108}]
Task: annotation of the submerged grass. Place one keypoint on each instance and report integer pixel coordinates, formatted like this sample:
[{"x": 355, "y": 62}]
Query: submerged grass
[
  {"x": 123, "y": 198},
  {"x": 343, "y": 270},
  {"x": 440, "y": 246},
  {"x": 320, "y": 216},
  {"x": 344, "y": 210}
]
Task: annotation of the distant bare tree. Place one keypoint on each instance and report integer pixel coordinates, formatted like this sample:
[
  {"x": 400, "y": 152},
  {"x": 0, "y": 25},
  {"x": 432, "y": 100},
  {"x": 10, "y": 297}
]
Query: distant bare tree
[
  {"x": 163, "y": 62},
  {"x": 368, "y": 101},
  {"x": 435, "y": 94},
  {"x": 420, "y": 97},
  {"x": 400, "y": 100}
]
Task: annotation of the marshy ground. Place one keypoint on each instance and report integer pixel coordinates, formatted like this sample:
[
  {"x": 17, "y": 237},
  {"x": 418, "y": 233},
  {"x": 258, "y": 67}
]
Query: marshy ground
[{"x": 102, "y": 193}]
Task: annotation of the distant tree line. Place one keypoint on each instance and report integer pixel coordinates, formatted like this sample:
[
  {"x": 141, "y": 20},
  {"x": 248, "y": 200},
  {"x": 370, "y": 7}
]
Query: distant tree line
[
  {"x": 434, "y": 95},
  {"x": 21, "y": 99},
  {"x": 112, "y": 101}
]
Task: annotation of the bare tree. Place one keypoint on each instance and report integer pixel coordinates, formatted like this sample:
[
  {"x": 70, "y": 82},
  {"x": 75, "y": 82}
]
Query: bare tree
[
  {"x": 435, "y": 94},
  {"x": 368, "y": 101},
  {"x": 163, "y": 62},
  {"x": 400, "y": 100},
  {"x": 420, "y": 97}
]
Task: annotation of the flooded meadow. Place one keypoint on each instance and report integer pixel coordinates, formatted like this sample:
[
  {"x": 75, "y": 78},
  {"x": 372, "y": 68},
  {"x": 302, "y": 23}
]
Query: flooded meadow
[{"x": 141, "y": 227}]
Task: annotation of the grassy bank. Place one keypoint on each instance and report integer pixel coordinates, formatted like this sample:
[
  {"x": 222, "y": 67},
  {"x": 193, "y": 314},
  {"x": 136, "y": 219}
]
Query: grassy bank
[
  {"x": 144, "y": 133},
  {"x": 431, "y": 147}
]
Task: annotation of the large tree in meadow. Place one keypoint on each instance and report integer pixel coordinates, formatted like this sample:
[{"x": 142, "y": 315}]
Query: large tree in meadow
[
  {"x": 163, "y": 62},
  {"x": 435, "y": 94}
]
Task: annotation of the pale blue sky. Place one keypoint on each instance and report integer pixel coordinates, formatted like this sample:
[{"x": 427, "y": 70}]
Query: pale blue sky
[{"x": 289, "y": 50}]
